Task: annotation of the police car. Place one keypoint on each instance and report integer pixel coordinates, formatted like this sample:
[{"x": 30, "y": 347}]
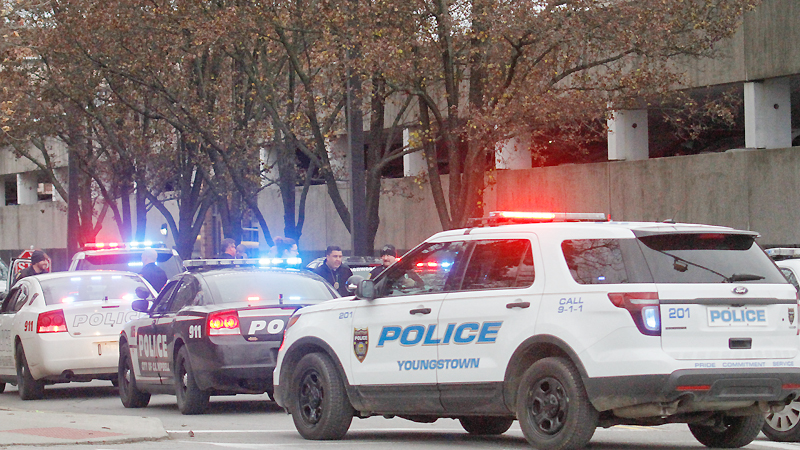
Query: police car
[
  {"x": 564, "y": 322},
  {"x": 62, "y": 327},
  {"x": 124, "y": 256},
  {"x": 784, "y": 425},
  {"x": 214, "y": 330}
]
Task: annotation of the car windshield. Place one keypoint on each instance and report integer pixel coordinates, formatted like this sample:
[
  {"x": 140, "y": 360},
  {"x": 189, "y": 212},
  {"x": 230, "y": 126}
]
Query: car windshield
[
  {"x": 267, "y": 287},
  {"x": 84, "y": 288},
  {"x": 130, "y": 262}
]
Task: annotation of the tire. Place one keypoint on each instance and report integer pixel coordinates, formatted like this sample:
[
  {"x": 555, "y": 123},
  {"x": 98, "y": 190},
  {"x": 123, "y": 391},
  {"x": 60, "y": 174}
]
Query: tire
[
  {"x": 130, "y": 395},
  {"x": 191, "y": 400},
  {"x": 29, "y": 389},
  {"x": 733, "y": 431},
  {"x": 553, "y": 409},
  {"x": 319, "y": 405},
  {"x": 486, "y": 426},
  {"x": 784, "y": 426}
]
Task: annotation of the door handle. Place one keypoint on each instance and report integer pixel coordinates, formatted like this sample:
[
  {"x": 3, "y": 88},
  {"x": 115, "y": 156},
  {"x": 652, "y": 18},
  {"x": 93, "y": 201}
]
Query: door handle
[
  {"x": 420, "y": 311},
  {"x": 518, "y": 305}
]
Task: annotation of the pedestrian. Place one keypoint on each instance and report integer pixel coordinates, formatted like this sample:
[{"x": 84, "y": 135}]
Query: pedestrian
[
  {"x": 228, "y": 249},
  {"x": 151, "y": 272},
  {"x": 388, "y": 257},
  {"x": 241, "y": 251},
  {"x": 334, "y": 271},
  {"x": 286, "y": 247},
  {"x": 40, "y": 263}
]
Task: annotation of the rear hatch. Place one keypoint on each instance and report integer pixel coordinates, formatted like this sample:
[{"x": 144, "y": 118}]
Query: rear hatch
[{"x": 721, "y": 298}]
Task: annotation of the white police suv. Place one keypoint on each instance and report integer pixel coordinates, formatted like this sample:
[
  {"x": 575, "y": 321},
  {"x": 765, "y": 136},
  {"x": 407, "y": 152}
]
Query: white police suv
[{"x": 564, "y": 322}]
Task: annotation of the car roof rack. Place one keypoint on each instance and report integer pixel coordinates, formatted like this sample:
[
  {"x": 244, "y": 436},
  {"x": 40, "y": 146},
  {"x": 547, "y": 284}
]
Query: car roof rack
[
  {"x": 517, "y": 217},
  {"x": 197, "y": 264}
]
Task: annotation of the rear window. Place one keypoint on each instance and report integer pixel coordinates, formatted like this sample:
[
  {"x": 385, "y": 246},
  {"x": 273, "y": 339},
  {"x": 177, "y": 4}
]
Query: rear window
[
  {"x": 89, "y": 288},
  {"x": 130, "y": 262},
  {"x": 267, "y": 288},
  {"x": 670, "y": 258}
]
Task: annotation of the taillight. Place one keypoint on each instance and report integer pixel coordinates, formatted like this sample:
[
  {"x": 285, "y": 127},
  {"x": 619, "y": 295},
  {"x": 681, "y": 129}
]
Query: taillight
[
  {"x": 643, "y": 307},
  {"x": 51, "y": 322},
  {"x": 223, "y": 322}
]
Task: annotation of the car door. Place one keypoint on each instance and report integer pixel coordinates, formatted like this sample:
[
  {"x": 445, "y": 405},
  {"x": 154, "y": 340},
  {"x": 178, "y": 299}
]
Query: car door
[
  {"x": 7, "y": 314},
  {"x": 485, "y": 320},
  {"x": 151, "y": 346},
  {"x": 167, "y": 324},
  {"x": 394, "y": 356}
]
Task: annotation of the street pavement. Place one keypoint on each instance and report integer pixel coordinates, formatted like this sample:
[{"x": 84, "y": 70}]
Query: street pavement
[{"x": 19, "y": 427}]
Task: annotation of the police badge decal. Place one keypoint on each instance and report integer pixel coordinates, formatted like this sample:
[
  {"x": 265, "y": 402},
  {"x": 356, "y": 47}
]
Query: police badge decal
[{"x": 360, "y": 343}]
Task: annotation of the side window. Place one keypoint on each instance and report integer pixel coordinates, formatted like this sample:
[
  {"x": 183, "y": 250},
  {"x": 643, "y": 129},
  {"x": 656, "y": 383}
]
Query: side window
[
  {"x": 428, "y": 269},
  {"x": 595, "y": 261},
  {"x": 790, "y": 277},
  {"x": 498, "y": 264},
  {"x": 185, "y": 294},
  {"x": 22, "y": 297},
  {"x": 162, "y": 301}
]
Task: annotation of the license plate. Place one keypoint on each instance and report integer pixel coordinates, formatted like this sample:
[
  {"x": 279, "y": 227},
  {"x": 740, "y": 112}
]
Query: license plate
[
  {"x": 105, "y": 348},
  {"x": 728, "y": 316}
]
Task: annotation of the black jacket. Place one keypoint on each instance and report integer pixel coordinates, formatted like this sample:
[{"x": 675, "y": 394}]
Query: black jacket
[
  {"x": 337, "y": 278},
  {"x": 154, "y": 275}
]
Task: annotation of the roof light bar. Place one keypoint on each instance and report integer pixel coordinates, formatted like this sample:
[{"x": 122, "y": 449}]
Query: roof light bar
[
  {"x": 222, "y": 263},
  {"x": 117, "y": 245},
  {"x": 511, "y": 217},
  {"x": 783, "y": 252}
]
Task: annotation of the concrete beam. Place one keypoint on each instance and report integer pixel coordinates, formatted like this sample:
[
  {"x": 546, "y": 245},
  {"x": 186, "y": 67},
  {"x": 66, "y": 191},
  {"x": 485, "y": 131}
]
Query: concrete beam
[
  {"x": 768, "y": 114},
  {"x": 27, "y": 188},
  {"x": 414, "y": 164}
]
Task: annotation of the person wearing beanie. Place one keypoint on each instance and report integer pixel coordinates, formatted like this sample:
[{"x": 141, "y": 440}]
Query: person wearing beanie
[
  {"x": 40, "y": 263},
  {"x": 388, "y": 257}
]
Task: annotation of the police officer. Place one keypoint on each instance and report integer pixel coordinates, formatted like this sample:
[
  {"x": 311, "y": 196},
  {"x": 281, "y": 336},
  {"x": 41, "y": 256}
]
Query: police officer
[
  {"x": 150, "y": 271},
  {"x": 334, "y": 271},
  {"x": 39, "y": 264},
  {"x": 388, "y": 257}
]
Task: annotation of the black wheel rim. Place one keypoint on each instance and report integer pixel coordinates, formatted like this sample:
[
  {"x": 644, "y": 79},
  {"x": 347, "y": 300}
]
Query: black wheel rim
[
  {"x": 311, "y": 396},
  {"x": 548, "y": 406},
  {"x": 127, "y": 375}
]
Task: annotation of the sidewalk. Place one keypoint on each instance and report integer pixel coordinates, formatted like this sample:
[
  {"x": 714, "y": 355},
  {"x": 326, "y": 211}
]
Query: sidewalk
[{"x": 20, "y": 427}]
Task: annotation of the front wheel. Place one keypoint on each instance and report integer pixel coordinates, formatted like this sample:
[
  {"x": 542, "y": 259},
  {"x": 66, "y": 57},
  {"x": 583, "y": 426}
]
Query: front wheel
[
  {"x": 729, "y": 432},
  {"x": 784, "y": 426},
  {"x": 29, "y": 389},
  {"x": 486, "y": 426},
  {"x": 319, "y": 406},
  {"x": 553, "y": 409},
  {"x": 191, "y": 400},
  {"x": 130, "y": 395}
]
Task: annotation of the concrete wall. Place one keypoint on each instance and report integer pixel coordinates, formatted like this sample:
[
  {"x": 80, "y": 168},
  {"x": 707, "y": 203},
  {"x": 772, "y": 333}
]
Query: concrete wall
[
  {"x": 748, "y": 189},
  {"x": 763, "y": 47}
]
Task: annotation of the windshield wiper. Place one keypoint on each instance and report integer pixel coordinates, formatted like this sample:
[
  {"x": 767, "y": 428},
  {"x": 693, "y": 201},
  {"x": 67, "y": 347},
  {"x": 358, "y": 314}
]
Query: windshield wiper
[{"x": 743, "y": 277}]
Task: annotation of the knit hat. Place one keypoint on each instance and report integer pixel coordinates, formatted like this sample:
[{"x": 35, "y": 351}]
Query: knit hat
[
  {"x": 389, "y": 249},
  {"x": 37, "y": 257}
]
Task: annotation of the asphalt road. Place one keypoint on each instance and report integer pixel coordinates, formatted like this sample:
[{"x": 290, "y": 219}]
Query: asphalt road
[{"x": 253, "y": 422}]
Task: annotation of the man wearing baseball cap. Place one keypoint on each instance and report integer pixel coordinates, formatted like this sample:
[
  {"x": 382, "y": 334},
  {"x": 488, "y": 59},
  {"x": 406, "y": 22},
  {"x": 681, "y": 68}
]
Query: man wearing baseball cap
[
  {"x": 39, "y": 264},
  {"x": 388, "y": 257}
]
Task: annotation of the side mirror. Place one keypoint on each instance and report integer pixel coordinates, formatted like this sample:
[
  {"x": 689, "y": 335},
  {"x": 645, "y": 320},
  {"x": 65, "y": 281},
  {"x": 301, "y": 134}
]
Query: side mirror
[
  {"x": 142, "y": 292},
  {"x": 352, "y": 282},
  {"x": 140, "y": 305},
  {"x": 366, "y": 290}
]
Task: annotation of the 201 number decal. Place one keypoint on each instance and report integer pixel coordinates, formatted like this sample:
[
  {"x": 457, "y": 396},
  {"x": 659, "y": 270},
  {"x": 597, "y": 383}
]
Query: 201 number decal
[{"x": 678, "y": 313}]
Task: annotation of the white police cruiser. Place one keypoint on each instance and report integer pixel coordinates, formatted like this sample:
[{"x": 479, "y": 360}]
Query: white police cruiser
[{"x": 564, "y": 322}]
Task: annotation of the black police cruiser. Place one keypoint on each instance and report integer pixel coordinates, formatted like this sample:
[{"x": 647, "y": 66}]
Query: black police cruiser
[{"x": 213, "y": 330}]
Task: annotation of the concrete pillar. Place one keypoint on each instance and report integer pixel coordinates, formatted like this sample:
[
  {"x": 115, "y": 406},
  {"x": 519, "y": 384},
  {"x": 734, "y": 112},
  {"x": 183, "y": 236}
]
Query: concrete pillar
[
  {"x": 768, "y": 114},
  {"x": 627, "y": 135},
  {"x": 337, "y": 153},
  {"x": 269, "y": 160},
  {"x": 27, "y": 188},
  {"x": 61, "y": 175},
  {"x": 514, "y": 153},
  {"x": 2, "y": 191},
  {"x": 414, "y": 164}
]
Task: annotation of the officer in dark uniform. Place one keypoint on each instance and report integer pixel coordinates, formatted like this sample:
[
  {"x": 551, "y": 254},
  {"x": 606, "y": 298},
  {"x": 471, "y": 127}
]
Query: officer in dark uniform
[
  {"x": 151, "y": 272},
  {"x": 388, "y": 257},
  {"x": 334, "y": 271}
]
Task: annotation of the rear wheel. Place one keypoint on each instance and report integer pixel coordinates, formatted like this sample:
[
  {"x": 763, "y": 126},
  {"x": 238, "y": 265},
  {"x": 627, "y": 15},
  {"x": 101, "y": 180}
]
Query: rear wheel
[
  {"x": 553, "y": 409},
  {"x": 784, "y": 426},
  {"x": 729, "y": 432},
  {"x": 130, "y": 395},
  {"x": 319, "y": 406},
  {"x": 486, "y": 426},
  {"x": 191, "y": 400},
  {"x": 29, "y": 389}
]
